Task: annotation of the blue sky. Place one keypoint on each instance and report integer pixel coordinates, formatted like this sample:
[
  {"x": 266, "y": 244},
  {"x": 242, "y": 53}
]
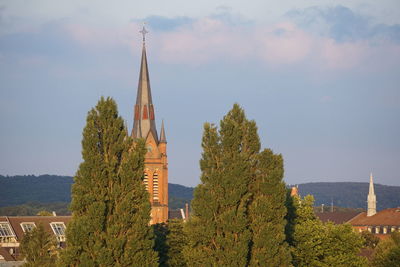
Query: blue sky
[{"x": 320, "y": 78}]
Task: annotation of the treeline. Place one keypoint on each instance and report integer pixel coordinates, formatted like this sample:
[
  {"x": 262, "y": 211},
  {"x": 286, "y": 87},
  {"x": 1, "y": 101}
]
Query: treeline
[
  {"x": 33, "y": 208},
  {"x": 23, "y": 195},
  {"x": 351, "y": 194},
  {"x": 20, "y": 191}
]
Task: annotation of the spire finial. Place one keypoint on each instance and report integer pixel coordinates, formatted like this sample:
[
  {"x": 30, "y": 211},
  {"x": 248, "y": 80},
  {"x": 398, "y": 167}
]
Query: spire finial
[{"x": 144, "y": 32}]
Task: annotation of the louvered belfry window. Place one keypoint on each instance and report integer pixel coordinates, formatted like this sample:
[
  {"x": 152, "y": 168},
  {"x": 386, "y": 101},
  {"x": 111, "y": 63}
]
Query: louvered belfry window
[
  {"x": 155, "y": 187},
  {"x": 146, "y": 181}
]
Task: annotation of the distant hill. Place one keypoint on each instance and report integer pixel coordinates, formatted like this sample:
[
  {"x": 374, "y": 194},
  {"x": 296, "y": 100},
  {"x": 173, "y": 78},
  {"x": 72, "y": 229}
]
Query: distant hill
[
  {"x": 33, "y": 193},
  {"x": 351, "y": 195}
]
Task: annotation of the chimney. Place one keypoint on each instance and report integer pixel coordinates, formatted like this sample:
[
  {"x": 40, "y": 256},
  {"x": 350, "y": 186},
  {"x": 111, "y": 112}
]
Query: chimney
[{"x": 54, "y": 214}]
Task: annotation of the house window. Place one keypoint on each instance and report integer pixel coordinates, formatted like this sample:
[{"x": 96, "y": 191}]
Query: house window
[
  {"x": 370, "y": 229},
  {"x": 155, "y": 187},
  {"x": 6, "y": 234},
  {"x": 27, "y": 226},
  {"x": 59, "y": 230},
  {"x": 377, "y": 230},
  {"x": 393, "y": 229}
]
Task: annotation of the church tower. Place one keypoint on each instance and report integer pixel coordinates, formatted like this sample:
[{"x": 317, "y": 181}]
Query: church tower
[
  {"x": 371, "y": 198},
  {"x": 156, "y": 163}
]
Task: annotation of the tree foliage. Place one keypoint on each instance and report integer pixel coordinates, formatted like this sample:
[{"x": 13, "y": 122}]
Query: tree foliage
[
  {"x": 387, "y": 253},
  {"x": 39, "y": 248},
  {"x": 175, "y": 241},
  {"x": 267, "y": 211},
  {"x": 370, "y": 240},
  {"x": 110, "y": 206},
  {"x": 314, "y": 243},
  {"x": 240, "y": 199},
  {"x": 44, "y": 213}
]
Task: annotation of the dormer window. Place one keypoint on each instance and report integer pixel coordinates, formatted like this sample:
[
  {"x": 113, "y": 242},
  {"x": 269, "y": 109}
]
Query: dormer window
[
  {"x": 28, "y": 226},
  {"x": 6, "y": 234},
  {"x": 59, "y": 230}
]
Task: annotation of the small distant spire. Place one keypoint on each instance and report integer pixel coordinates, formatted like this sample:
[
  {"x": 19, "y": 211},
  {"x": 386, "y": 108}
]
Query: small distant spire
[
  {"x": 163, "y": 139},
  {"x": 371, "y": 199}
]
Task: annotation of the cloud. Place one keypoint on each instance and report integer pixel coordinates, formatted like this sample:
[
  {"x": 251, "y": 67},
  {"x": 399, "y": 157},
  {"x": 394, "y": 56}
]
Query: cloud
[
  {"x": 159, "y": 23},
  {"x": 342, "y": 24},
  {"x": 317, "y": 38}
]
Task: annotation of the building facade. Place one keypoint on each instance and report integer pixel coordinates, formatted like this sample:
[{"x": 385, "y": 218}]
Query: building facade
[
  {"x": 156, "y": 161},
  {"x": 13, "y": 228}
]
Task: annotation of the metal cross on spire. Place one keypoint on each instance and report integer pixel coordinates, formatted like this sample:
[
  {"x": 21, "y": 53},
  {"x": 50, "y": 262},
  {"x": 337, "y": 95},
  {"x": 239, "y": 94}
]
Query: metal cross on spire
[{"x": 144, "y": 32}]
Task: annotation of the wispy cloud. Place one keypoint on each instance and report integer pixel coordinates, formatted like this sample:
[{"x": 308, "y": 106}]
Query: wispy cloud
[
  {"x": 342, "y": 24},
  {"x": 321, "y": 38}
]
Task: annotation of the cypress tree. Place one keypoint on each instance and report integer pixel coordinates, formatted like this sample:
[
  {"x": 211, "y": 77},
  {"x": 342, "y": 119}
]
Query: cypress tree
[
  {"x": 170, "y": 241},
  {"x": 267, "y": 212},
  {"x": 175, "y": 242},
  {"x": 110, "y": 206},
  {"x": 218, "y": 230},
  {"x": 238, "y": 209},
  {"x": 160, "y": 244}
]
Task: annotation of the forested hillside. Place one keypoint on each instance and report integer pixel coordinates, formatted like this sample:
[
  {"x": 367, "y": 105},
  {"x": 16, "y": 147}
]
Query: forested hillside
[
  {"x": 51, "y": 192},
  {"x": 351, "y": 195},
  {"x": 28, "y": 194}
]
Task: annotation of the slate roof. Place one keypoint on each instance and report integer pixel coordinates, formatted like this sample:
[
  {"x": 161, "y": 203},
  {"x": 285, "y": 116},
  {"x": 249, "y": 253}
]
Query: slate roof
[
  {"x": 144, "y": 116},
  {"x": 174, "y": 214}
]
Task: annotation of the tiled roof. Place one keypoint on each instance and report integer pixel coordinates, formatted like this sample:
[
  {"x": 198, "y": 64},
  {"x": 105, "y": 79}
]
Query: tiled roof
[
  {"x": 5, "y": 253},
  {"x": 336, "y": 217},
  {"x": 385, "y": 217}
]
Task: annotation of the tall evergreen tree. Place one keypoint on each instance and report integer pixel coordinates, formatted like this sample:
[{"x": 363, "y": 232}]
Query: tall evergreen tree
[
  {"x": 175, "y": 241},
  {"x": 233, "y": 207},
  {"x": 267, "y": 212},
  {"x": 110, "y": 206},
  {"x": 170, "y": 241},
  {"x": 39, "y": 248},
  {"x": 160, "y": 244}
]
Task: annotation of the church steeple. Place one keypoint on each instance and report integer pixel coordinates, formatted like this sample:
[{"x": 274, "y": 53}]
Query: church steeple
[
  {"x": 155, "y": 177},
  {"x": 144, "y": 118},
  {"x": 371, "y": 198}
]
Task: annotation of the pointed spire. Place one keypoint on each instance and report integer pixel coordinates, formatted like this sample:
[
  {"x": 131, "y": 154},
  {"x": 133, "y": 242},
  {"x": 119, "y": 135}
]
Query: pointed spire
[
  {"x": 144, "y": 118},
  {"x": 371, "y": 185},
  {"x": 163, "y": 139},
  {"x": 371, "y": 199}
]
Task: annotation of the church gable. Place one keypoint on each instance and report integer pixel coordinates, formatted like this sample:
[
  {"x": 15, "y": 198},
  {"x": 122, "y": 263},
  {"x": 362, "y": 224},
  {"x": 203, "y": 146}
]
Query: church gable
[{"x": 152, "y": 147}]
